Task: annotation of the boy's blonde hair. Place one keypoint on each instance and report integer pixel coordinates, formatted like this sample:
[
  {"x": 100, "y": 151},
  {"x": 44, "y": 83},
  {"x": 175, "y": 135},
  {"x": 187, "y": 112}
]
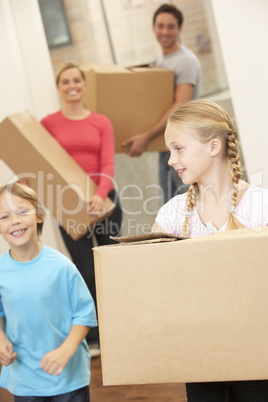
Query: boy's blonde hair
[
  {"x": 30, "y": 195},
  {"x": 209, "y": 121}
]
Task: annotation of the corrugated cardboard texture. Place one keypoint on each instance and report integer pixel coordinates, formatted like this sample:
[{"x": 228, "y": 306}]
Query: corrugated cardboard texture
[
  {"x": 186, "y": 311},
  {"x": 134, "y": 99},
  {"x": 64, "y": 188}
]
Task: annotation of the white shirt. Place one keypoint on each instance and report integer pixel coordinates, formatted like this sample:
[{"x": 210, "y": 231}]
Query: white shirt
[{"x": 251, "y": 212}]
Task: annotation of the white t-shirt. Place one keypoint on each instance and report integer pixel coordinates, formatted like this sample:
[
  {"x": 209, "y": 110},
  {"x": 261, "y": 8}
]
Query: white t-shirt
[{"x": 251, "y": 212}]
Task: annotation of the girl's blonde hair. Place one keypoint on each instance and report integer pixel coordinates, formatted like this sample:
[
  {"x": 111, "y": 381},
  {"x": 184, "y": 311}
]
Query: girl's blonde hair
[
  {"x": 66, "y": 66},
  {"x": 210, "y": 120},
  {"x": 30, "y": 195}
]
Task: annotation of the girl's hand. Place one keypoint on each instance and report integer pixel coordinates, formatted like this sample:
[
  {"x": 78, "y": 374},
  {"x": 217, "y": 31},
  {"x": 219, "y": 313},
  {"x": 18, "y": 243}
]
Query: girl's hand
[
  {"x": 54, "y": 362},
  {"x": 96, "y": 205},
  {"x": 7, "y": 354}
]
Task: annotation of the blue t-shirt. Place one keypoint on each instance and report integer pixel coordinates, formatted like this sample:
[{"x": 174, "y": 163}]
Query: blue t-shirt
[{"x": 41, "y": 300}]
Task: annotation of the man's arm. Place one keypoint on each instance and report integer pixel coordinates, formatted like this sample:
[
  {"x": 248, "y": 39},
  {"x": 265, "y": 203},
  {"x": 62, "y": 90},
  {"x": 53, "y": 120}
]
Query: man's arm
[{"x": 138, "y": 143}]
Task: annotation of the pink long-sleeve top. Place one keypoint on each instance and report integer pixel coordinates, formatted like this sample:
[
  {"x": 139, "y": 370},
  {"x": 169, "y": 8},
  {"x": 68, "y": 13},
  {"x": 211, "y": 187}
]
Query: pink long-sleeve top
[{"x": 90, "y": 142}]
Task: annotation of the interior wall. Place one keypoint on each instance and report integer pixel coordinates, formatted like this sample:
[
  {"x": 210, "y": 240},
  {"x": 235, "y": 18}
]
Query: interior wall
[
  {"x": 243, "y": 32},
  {"x": 26, "y": 81}
]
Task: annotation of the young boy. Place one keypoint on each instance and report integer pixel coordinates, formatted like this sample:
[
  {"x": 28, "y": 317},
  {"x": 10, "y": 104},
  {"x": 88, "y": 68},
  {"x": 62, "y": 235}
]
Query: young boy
[{"x": 46, "y": 307}]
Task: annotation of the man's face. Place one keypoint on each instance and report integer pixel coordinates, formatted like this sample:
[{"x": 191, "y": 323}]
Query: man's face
[{"x": 166, "y": 29}]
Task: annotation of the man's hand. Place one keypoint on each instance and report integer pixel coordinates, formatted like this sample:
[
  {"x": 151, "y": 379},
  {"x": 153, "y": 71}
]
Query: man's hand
[{"x": 138, "y": 144}]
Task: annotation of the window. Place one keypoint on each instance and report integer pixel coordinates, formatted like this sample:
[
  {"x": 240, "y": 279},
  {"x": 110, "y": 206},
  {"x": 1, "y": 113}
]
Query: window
[{"x": 55, "y": 23}]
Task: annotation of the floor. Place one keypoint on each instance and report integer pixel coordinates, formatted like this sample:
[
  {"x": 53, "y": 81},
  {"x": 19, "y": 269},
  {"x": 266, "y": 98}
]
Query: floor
[{"x": 98, "y": 393}]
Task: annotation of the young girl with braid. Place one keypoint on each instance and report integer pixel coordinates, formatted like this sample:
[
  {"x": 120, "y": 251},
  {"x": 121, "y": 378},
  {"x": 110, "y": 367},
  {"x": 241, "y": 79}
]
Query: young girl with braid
[{"x": 204, "y": 151}]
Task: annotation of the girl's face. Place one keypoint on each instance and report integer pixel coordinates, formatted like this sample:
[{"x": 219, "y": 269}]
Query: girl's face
[
  {"x": 188, "y": 156},
  {"x": 71, "y": 85},
  {"x": 18, "y": 221}
]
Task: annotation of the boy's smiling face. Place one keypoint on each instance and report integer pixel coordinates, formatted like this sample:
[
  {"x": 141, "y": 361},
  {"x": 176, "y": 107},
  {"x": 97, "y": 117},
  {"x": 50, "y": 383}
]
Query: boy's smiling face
[{"x": 18, "y": 221}]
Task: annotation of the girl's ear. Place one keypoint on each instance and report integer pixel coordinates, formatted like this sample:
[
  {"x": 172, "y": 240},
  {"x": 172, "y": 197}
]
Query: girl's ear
[
  {"x": 39, "y": 219},
  {"x": 215, "y": 146}
]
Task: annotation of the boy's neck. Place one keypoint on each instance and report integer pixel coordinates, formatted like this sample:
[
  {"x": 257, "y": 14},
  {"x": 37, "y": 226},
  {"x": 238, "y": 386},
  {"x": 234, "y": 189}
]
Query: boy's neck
[{"x": 25, "y": 255}]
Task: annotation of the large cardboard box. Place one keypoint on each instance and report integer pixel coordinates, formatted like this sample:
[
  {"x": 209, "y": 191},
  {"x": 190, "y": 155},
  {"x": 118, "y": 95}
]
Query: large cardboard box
[
  {"x": 191, "y": 310},
  {"x": 64, "y": 188},
  {"x": 133, "y": 98}
]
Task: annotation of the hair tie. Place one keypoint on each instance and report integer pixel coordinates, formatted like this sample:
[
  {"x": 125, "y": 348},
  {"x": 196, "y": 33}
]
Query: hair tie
[
  {"x": 232, "y": 209},
  {"x": 187, "y": 214}
]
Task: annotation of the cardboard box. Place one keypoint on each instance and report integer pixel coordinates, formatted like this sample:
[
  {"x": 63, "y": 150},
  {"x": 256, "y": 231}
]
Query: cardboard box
[
  {"x": 62, "y": 185},
  {"x": 133, "y": 98},
  {"x": 191, "y": 310}
]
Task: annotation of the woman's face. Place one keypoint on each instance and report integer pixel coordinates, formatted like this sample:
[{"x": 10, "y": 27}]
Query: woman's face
[{"x": 71, "y": 85}]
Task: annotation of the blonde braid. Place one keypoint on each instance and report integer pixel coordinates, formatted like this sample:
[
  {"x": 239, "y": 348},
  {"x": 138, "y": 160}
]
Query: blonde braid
[
  {"x": 209, "y": 120},
  {"x": 237, "y": 174},
  {"x": 190, "y": 203}
]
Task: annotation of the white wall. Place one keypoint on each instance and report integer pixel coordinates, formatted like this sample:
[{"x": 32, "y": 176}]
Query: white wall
[
  {"x": 243, "y": 32},
  {"x": 26, "y": 79}
]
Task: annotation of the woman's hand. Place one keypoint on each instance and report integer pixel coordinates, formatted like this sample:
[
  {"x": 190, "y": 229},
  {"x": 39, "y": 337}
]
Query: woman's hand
[{"x": 96, "y": 205}]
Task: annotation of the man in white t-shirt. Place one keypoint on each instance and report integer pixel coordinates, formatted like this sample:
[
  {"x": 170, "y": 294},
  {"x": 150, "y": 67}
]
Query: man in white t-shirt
[{"x": 167, "y": 25}]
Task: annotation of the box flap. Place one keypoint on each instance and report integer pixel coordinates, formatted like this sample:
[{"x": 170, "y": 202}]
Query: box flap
[
  {"x": 148, "y": 237},
  {"x": 150, "y": 70},
  {"x": 105, "y": 68}
]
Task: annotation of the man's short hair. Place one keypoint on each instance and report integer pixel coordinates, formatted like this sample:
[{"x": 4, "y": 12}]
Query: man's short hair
[{"x": 169, "y": 8}]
